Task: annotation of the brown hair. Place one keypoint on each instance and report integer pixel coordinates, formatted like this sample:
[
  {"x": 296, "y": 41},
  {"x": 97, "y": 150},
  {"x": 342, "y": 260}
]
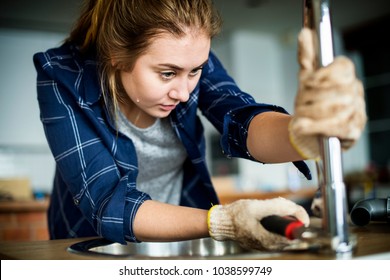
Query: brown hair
[{"x": 121, "y": 30}]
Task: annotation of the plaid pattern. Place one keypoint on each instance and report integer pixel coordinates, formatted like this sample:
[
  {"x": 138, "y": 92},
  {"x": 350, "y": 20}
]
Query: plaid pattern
[{"x": 94, "y": 190}]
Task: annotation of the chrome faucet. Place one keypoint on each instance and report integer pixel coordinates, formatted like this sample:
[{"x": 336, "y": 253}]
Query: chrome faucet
[{"x": 316, "y": 16}]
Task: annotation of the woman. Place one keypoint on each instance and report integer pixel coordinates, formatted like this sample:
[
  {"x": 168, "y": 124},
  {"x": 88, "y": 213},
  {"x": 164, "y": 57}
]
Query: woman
[{"x": 119, "y": 102}]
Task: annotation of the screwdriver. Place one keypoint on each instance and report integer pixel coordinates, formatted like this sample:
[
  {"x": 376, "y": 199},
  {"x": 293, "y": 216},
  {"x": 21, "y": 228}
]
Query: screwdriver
[{"x": 287, "y": 226}]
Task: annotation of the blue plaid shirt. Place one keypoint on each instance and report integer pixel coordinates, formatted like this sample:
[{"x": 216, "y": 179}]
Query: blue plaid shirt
[{"x": 94, "y": 191}]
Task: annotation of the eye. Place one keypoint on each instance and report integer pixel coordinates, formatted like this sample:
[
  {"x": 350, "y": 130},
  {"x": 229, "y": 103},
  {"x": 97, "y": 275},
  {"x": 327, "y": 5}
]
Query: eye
[
  {"x": 167, "y": 75},
  {"x": 196, "y": 71}
]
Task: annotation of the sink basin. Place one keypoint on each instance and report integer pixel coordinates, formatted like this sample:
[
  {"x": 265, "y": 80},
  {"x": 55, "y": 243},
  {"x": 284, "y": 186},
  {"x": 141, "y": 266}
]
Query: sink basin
[{"x": 198, "y": 248}]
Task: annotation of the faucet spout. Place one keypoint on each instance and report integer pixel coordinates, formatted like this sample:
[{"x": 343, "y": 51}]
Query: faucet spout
[{"x": 316, "y": 16}]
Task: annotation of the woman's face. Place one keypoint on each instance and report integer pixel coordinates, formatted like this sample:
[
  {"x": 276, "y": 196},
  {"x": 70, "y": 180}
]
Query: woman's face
[{"x": 164, "y": 76}]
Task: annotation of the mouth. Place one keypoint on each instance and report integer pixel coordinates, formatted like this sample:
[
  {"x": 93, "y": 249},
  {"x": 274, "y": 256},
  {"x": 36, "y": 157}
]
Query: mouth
[{"x": 168, "y": 107}]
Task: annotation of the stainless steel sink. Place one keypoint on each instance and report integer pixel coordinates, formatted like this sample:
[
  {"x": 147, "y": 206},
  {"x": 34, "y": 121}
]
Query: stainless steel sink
[{"x": 198, "y": 248}]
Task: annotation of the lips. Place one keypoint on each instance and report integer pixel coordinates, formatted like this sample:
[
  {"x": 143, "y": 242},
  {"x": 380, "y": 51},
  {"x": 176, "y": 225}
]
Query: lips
[{"x": 168, "y": 107}]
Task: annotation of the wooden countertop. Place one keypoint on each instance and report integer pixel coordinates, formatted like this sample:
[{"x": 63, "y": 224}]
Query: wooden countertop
[
  {"x": 303, "y": 194},
  {"x": 226, "y": 189},
  {"x": 371, "y": 239},
  {"x": 17, "y": 206}
]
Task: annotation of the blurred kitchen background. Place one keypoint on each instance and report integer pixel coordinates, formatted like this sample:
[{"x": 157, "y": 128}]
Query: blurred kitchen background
[{"x": 258, "y": 47}]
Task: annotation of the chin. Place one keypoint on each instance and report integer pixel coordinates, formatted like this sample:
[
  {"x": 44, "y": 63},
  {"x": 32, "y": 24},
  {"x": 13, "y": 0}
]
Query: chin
[{"x": 162, "y": 114}]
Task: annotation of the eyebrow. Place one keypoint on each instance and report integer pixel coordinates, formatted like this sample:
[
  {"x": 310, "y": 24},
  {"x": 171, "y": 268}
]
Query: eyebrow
[{"x": 178, "y": 68}]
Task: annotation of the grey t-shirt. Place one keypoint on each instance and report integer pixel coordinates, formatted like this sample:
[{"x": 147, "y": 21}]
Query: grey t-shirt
[{"x": 160, "y": 155}]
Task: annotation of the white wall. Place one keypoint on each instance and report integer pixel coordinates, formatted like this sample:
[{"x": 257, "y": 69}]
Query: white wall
[{"x": 23, "y": 147}]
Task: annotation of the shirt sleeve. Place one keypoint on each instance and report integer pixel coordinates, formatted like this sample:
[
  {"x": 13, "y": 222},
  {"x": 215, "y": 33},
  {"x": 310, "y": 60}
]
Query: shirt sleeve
[{"x": 101, "y": 182}]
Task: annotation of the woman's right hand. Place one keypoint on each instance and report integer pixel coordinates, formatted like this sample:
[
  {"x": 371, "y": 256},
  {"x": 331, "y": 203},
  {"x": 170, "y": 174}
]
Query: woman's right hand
[{"x": 240, "y": 221}]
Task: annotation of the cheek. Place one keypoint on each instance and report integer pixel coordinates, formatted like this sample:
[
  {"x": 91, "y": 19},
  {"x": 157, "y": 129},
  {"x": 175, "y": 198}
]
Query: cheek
[
  {"x": 194, "y": 83},
  {"x": 127, "y": 83},
  {"x": 145, "y": 87},
  {"x": 150, "y": 89}
]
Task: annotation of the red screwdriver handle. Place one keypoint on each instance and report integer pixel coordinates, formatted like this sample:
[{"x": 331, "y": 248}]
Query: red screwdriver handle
[{"x": 282, "y": 225}]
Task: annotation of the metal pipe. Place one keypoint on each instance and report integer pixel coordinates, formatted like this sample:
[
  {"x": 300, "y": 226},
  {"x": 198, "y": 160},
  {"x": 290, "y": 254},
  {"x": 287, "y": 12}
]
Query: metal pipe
[
  {"x": 316, "y": 16},
  {"x": 367, "y": 210}
]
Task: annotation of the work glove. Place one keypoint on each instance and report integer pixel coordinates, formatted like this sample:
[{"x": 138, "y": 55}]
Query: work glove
[
  {"x": 240, "y": 221},
  {"x": 330, "y": 101}
]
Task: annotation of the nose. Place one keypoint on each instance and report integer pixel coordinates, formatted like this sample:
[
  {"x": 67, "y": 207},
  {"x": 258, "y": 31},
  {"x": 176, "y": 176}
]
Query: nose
[{"x": 181, "y": 90}]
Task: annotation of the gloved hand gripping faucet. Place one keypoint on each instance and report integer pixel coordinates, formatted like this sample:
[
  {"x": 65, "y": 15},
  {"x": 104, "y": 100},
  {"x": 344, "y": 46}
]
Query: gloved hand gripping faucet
[{"x": 330, "y": 101}]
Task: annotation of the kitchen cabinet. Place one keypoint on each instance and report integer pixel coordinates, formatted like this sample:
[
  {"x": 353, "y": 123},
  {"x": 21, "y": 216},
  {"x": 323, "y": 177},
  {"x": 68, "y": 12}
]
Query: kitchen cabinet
[{"x": 23, "y": 220}]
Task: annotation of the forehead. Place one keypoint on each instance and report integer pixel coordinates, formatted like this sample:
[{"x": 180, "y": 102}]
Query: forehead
[{"x": 188, "y": 50}]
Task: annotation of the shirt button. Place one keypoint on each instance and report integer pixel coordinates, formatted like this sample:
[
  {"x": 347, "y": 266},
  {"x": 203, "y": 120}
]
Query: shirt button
[{"x": 76, "y": 201}]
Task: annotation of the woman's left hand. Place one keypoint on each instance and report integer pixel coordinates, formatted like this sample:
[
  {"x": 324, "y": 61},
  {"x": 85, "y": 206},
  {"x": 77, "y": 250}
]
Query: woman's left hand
[{"x": 330, "y": 101}]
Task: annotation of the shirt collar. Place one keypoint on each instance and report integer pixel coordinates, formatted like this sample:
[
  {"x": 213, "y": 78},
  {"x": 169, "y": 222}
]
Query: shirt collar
[{"x": 92, "y": 89}]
